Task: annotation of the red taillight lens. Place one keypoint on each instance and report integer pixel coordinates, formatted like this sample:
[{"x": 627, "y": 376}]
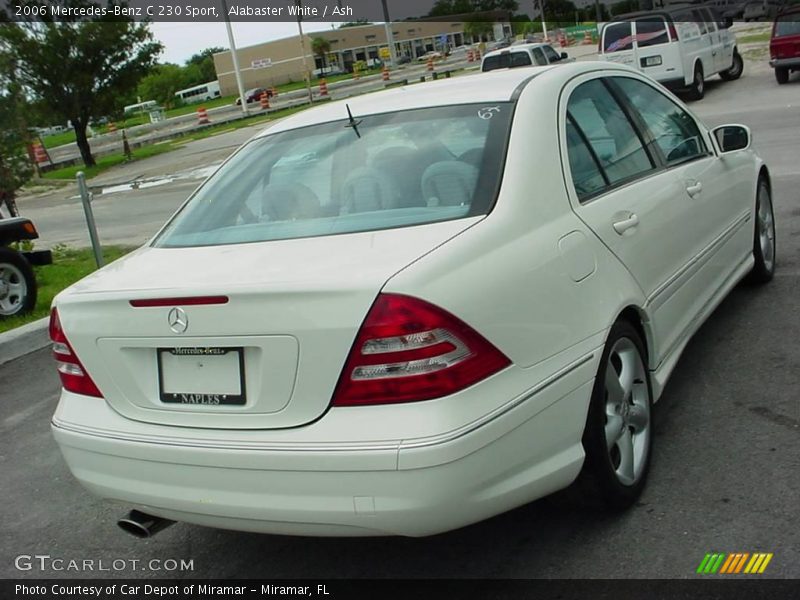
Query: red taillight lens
[
  {"x": 673, "y": 33},
  {"x": 409, "y": 350},
  {"x": 73, "y": 376}
]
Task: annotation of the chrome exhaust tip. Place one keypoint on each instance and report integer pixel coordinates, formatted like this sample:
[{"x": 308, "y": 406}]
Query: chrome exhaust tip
[{"x": 142, "y": 525}]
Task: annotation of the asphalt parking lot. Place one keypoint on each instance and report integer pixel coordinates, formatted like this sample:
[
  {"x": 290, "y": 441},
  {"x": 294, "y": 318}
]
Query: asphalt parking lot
[{"x": 724, "y": 476}]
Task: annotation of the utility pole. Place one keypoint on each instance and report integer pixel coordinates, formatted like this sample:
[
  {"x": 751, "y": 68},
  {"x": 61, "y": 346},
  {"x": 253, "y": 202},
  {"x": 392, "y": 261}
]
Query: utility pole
[
  {"x": 235, "y": 58},
  {"x": 389, "y": 33},
  {"x": 306, "y": 74}
]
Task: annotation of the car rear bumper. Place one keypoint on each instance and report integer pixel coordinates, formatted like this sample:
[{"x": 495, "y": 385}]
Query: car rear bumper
[
  {"x": 400, "y": 487},
  {"x": 790, "y": 63}
]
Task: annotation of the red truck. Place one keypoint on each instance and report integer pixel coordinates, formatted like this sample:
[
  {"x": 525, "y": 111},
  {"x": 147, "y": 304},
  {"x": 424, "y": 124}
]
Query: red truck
[{"x": 784, "y": 46}]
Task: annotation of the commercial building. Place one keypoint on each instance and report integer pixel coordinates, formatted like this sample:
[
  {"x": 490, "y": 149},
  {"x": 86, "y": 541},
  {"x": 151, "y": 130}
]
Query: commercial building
[{"x": 281, "y": 61}]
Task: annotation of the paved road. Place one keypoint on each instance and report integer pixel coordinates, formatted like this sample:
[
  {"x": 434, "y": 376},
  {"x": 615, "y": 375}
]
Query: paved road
[{"x": 725, "y": 469}]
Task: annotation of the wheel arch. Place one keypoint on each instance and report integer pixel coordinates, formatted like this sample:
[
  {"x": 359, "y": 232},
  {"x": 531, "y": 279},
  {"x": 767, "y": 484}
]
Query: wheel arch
[{"x": 638, "y": 318}]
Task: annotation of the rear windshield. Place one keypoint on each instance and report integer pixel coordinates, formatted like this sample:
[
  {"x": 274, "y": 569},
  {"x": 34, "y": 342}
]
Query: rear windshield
[
  {"x": 651, "y": 32},
  {"x": 507, "y": 60},
  {"x": 788, "y": 25},
  {"x": 377, "y": 172},
  {"x": 617, "y": 36}
]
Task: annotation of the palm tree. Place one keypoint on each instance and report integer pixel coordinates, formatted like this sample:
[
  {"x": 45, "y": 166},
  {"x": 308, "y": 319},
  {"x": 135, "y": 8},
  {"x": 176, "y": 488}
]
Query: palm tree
[{"x": 321, "y": 47}]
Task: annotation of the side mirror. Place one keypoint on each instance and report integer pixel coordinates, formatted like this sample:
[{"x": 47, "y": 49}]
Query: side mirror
[
  {"x": 564, "y": 56},
  {"x": 731, "y": 138}
]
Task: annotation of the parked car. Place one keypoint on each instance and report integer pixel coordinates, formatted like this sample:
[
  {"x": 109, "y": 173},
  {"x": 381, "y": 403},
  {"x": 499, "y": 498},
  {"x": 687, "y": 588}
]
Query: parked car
[
  {"x": 382, "y": 317},
  {"x": 523, "y": 55},
  {"x": 254, "y": 95},
  {"x": 784, "y": 45},
  {"x": 679, "y": 47},
  {"x": 760, "y": 9},
  {"x": 18, "y": 288}
]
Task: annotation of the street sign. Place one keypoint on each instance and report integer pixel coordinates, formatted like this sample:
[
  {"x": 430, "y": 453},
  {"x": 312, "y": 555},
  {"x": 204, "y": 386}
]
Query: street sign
[
  {"x": 385, "y": 54},
  {"x": 261, "y": 63}
]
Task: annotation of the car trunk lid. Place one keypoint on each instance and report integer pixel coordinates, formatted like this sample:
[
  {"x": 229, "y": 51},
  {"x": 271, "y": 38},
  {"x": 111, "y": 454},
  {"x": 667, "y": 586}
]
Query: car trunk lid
[{"x": 241, "y": 336}]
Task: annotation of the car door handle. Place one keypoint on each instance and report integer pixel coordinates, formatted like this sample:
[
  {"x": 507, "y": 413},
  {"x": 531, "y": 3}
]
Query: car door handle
[
  {"x": 694, "y": 188},
  {"x": 625, "y": 224}
]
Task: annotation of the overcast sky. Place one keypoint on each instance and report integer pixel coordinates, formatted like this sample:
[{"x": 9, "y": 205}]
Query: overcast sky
[{"x": 181, "y": 40}]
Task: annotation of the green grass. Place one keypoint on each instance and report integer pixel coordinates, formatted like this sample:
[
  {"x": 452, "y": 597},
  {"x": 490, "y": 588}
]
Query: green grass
[
  {"x": 106, "y": 162},
  {"x": 69, "y": 265},
  {"x": 753, "y": 38}
]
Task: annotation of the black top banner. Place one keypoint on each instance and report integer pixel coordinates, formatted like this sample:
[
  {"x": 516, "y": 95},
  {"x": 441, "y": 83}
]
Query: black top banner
[{"x": 217, "y": 10}]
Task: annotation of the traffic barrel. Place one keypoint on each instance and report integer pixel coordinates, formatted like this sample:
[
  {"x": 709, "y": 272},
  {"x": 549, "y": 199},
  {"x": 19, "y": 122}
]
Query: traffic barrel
[
  {"x": 385, "y": 73},
  {"x": 323, "y": 87},
  {"x": 202, "y": 116},
  {"x": 112, "y": 127},
  {"x": 265, "y": 101},
  {"x": 430, "y": 63},
  {"x": 39, "y": 153},
  {"x": 477, "y": 54},
  {"x": 562, "y": 40},
  {"x": 587, "y": 38},
  {"x": 470, "y": 56}
]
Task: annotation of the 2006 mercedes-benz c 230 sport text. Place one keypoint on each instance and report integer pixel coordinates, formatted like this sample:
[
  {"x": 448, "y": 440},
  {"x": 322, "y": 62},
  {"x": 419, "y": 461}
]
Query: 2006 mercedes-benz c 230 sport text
[{"x": 414, "y": 310}]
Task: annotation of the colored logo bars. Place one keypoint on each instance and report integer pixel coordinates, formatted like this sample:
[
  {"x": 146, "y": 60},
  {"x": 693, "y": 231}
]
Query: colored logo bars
[{"x": 733, "y": 564}]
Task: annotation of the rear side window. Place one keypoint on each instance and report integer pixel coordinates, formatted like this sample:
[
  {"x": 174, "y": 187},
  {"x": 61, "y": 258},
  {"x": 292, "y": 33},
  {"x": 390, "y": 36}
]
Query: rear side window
[
  {"x": 674, "y": 130},
  {"x": 506, "y": 60},
  {"x": 617, "y": 36},
  {"x": 651, "y": 32},
  {"x": 378, "y": 172},
  {"x": 602, "y": 123},
  {"x": 788, "y": 25},
  {"x": 538, "y": 56},
  {"x": 587, "y": 177}
]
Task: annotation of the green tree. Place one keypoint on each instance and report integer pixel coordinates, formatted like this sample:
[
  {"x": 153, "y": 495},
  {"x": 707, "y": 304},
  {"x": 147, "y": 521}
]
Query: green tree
[
  {"x": 15, "y": 165},
  {"x": 163, "y": 81},
  {"x": 204, "y": 61},
  {"x": 321, "y": 47},
  {"x": 81, "y": 68},
  {"x": 356, "y": 23},
  {"x": 478, "y": 29}
]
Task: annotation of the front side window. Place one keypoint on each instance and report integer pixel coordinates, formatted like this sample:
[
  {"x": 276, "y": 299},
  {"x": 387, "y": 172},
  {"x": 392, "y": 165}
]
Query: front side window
[
  {"x": 376, "y": 172},
  {"x": 674, "y": 130},
  {"x": 551, "y": 54},
  {"x": 602, "y": 122},
  {"x": 538, "y": 56}
]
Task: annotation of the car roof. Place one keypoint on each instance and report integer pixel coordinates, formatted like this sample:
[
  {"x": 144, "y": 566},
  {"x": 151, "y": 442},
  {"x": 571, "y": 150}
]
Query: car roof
[
  {"x": 502, "y": 85},
  {"x": 516, "y": 48}
]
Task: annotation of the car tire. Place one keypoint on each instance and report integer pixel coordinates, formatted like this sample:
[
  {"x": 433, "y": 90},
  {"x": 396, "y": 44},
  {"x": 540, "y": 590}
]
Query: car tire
[
  {"x": 625, "y": 415},
  {"x": 764, "y": 242},
  {"x": 781, "y": 75},
  {"x": 17, "y": 284},
  {"x": 698, "y": 87},
  {"x": 736, "y": 70}
]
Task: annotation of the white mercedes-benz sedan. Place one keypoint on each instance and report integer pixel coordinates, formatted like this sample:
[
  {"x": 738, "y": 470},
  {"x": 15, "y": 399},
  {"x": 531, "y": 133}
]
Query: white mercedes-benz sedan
[{"x": 414, "y": 310}]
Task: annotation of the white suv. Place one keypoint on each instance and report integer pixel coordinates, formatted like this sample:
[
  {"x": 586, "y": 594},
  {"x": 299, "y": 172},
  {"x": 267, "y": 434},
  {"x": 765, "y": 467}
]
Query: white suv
[{"x": 680, "y": 48}]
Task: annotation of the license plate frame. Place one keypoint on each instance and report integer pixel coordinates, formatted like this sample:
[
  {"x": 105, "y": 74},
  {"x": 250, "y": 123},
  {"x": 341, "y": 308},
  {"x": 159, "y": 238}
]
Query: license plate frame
[{"x": 195, "y": 398}]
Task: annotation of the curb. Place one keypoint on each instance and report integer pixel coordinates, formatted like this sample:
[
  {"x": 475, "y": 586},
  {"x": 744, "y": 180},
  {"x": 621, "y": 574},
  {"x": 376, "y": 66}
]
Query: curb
[{"x": 24, "y": 340}]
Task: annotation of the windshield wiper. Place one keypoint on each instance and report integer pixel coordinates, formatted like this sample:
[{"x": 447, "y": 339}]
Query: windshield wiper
[{"x": 353, "y": 123}]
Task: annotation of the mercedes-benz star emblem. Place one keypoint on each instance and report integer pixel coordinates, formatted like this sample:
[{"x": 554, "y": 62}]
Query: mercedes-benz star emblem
[{"x": 178, "y": 321}]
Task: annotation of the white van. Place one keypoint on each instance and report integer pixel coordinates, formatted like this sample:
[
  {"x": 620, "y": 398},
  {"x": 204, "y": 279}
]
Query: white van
[{"x": 679, "y": 47}]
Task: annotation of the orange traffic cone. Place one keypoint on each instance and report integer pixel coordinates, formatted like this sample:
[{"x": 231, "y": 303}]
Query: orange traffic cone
[
  {"x": 323, "y": 87},
  {"x": 265, "y": 101}
]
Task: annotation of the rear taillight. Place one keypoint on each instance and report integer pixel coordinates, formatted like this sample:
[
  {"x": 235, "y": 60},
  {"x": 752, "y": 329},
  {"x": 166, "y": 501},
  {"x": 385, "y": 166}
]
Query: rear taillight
[
  {"x": 673, "y": 33},
  {"x": 74, "y": 377},
  {"x": 409, "y": 350}
]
